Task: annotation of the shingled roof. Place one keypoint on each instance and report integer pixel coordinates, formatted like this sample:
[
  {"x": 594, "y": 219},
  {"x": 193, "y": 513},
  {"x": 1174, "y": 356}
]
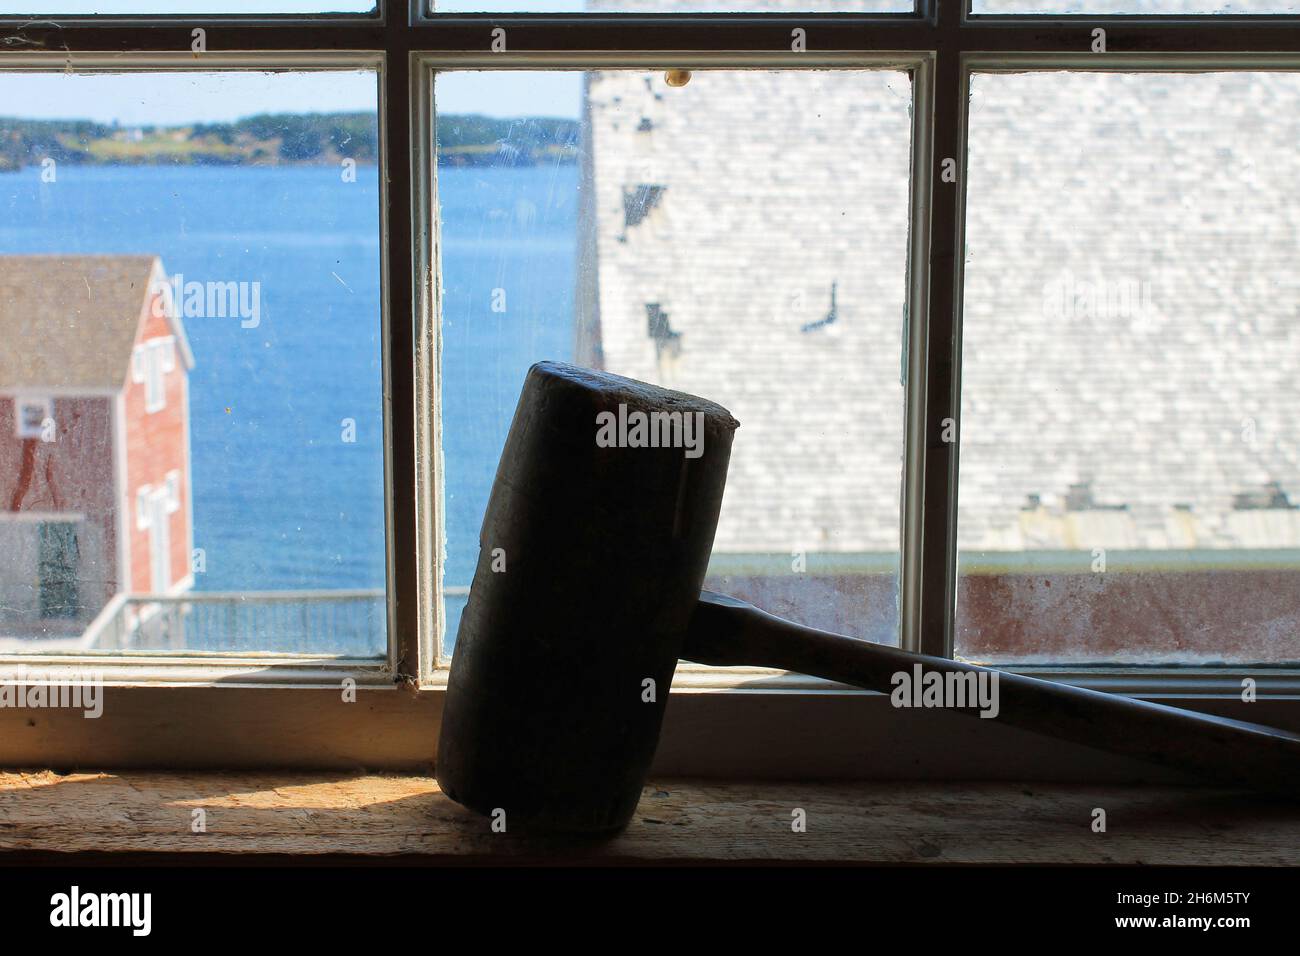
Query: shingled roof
[
  {"x": 70, "y": 322},
  {"x": 726, "y": 214}
]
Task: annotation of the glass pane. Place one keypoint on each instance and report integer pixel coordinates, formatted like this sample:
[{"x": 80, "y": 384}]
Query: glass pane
[
  {"x": 742, "y": 237},
  {"x": 191, "y": 429},
  {"x": 1130, "y": 458},
  {"x": 1136, "y": 7},
  {"x": 670, "y": 6},
  {"x": 117, "y": 8}
]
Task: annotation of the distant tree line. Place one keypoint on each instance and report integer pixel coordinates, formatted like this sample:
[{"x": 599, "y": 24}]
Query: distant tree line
[
  {"x": 24, "y": 142},
  {"x": 476, "y": 140},
  {"x": 281, "y": 138}
]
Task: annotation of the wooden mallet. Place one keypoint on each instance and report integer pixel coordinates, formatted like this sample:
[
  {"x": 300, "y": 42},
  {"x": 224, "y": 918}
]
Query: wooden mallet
[{"x": 588, "y": 590}]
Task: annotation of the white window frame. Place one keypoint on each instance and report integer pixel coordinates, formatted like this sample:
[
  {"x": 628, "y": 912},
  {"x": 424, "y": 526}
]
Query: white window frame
[
  {"x": 227, "y": 709},
  {"x": 280, "y": 710},
  {"x": 151, "y": 362},
  {"x": 153, "y": 510},
  {"x": 424, "y": 67}
]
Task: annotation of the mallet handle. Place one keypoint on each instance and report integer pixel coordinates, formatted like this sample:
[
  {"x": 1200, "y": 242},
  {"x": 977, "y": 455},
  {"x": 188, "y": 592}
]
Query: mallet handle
[{"x": 726, "y": 631}]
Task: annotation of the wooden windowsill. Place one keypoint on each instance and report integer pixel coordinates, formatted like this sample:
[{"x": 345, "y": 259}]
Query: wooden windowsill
[{"x": 319, "y": 817}]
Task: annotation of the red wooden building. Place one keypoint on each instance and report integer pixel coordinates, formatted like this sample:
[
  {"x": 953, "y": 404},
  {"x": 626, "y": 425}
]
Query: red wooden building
[{"x": 95, "y": 496}]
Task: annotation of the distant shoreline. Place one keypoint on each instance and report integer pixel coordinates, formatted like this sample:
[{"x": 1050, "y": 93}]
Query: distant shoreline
[{"x": 285, "y": 139}]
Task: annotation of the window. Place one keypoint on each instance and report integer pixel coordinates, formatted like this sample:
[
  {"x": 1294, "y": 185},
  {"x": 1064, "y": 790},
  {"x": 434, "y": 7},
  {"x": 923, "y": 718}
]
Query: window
[
  {"x": 761, "y": 264},
  {"x": 1134, "y": 7},
  {"x": 667, "y": 6},
  {"x": 57, "y": 573},
  {"x": 31, "y": 416},
  {"x": 196, "y": 273},
  {"x": 154, "y": 507},
  {"x": 109, "y": 8},
  {"x": 876, "y": 230},
  {"x": 1129, "y": 348},
  {"x": 151, "y": 363}
]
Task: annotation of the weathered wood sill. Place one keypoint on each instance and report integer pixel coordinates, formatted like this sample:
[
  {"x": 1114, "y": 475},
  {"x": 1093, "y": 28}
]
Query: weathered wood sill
[{"x": 319, "y": 817}]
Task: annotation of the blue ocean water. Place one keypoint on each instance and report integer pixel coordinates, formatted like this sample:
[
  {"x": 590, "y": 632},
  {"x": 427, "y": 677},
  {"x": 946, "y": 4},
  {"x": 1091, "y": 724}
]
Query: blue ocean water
[
  {"x": 509, "y": 234},
  {"x": 281, "y": 500}
]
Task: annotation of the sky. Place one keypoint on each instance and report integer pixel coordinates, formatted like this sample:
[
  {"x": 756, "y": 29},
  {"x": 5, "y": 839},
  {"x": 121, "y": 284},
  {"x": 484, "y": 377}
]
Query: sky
[
  {"x": 166, "y": 99},
  {"x": 142, "y": 99}
]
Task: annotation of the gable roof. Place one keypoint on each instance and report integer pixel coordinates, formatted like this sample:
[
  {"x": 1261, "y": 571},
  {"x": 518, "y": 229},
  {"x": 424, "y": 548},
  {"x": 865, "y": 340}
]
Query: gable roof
[{"x": 70, "y": 322}]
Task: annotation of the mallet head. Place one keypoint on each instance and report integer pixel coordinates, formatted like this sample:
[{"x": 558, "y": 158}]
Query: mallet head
[{"x": 591, "y": 558}]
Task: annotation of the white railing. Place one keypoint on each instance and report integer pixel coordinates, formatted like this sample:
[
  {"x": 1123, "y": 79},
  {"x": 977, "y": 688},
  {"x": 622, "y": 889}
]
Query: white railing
[
  {"x": 341, "y": 621},
  {"x": 104, "y": 630},
  {"x": 303, "y": 621}
]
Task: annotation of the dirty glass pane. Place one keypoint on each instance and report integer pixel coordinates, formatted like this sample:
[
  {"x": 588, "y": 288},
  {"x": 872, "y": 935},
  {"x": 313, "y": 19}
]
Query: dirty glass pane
[
  {"x": 117, "y": 8},
  {"x": 670, "y": 6},
  {"x": 742, "y": 237},
  {"x": 1136, "y": 7},
  {"x": 191, "y": 428},
  {"x": 1130, "y": 452}
]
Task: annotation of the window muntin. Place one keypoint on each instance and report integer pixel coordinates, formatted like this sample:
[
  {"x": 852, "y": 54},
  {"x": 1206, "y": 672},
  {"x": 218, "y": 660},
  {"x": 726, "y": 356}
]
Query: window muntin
[
  {"x": 674, "y": 235},
  {"x": 1129, "y": 470},
  {"x": 234, "y": 460}
]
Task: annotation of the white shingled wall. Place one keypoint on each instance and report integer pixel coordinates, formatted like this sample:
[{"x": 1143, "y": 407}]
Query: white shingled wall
[
  {"x": 1175, "y": 188},
  {"x": 776, "y": 186}
]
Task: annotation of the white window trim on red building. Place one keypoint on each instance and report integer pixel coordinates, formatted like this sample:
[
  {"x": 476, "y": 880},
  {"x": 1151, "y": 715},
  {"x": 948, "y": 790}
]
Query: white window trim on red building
[
  {"x": 154, "y": 506},
  {"x": 151, "y": 363}
]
